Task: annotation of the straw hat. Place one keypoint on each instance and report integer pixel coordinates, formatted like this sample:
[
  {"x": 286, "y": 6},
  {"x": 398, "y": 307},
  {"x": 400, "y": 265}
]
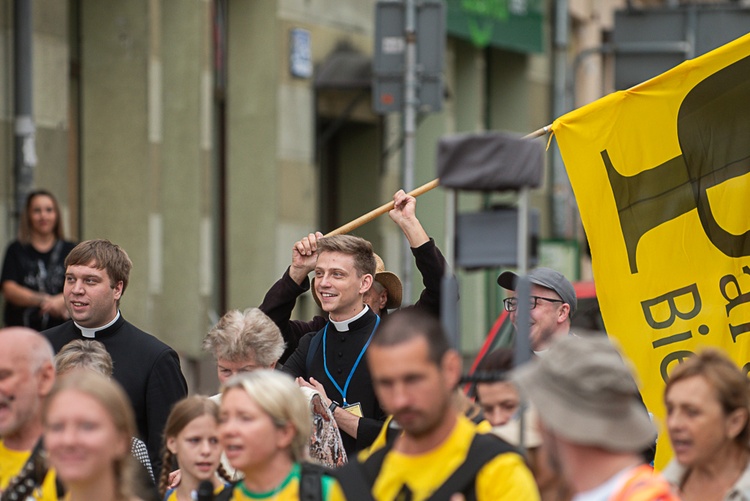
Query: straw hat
[{"x": 387, "y": 279}]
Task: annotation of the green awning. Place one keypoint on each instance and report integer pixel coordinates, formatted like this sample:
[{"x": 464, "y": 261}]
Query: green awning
[{"x": 507, "y": 24}]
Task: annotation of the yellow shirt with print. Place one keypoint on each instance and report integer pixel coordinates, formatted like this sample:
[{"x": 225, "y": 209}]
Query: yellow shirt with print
[
  {"x": 506, "y": 477},
  {"x": 483, "y": 426},
  {"x": 11, "y": 463},
  {"x": 289, "y": 490}
]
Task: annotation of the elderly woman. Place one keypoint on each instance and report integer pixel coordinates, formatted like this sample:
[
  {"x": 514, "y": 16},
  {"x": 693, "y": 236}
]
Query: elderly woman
[
  {"x": 243, "y": 342},
  {"x": 708, "y": 405},
  {"x": 264, "y": 425}
]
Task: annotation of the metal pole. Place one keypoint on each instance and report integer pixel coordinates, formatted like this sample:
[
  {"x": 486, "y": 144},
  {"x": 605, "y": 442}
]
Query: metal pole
[
  {"x": 448, "y": 305},
  {"x": 562, "y": 198},
  {"x": 25, "y": 150},
  {"x": 523, "y": 345},
  {"x": 522, "y": 351},
  {"x": 410, "y": 124}
]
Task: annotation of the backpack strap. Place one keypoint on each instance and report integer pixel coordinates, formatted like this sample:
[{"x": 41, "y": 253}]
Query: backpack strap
[
  {"x": 31, "y": 476},
  {"x": 314, "y": 345},
  {"x": 357, "y": 479},
  {"x": 484, "y": 447},
  {"x": 311, "y": 481},
  {"x": 226, "y": 493}
]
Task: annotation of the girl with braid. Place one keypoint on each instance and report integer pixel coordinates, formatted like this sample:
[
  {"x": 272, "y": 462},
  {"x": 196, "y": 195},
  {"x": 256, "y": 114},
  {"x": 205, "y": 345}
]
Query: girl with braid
[{"x": 191, "y": 443}]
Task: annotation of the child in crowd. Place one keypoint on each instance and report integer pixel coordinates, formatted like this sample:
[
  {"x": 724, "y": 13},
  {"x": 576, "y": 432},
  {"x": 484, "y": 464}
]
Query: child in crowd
[{"x": 191, "y": 440}]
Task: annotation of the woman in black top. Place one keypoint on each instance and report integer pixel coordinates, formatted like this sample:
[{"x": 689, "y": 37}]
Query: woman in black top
[{"x": 33, "y": 273}]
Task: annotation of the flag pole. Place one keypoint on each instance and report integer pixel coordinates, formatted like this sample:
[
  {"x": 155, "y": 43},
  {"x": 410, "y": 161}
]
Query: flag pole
[{"x": 387, "y": 207}]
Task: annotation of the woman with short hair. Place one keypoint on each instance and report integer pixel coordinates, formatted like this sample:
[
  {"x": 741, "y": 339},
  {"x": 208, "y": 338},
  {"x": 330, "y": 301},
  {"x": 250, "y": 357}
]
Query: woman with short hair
[
  {"x": 244, "y": 341},
  {"x": 708, "y": 409}
]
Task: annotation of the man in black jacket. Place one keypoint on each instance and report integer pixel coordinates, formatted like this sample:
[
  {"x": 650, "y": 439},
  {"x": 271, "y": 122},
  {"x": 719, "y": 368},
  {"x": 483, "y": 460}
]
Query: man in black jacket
[
  {"x": 96, "y": 276},
  {"x": 383, "y": 295},
  {"x": 332, "y": 359}
]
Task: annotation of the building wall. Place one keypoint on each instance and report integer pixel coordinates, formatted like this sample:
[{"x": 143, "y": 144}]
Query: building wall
[
  {"x": 49, "y": 90},
  {"x": 146, "y": 156},
  {"x": 126, "y": 138}
]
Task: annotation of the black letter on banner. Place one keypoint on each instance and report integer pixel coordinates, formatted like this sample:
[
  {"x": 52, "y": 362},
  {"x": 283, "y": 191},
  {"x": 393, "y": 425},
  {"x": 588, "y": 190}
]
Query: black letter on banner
[
  {"x": 677, "y": 356},
  {"x": 669, "y": 297},
  {"x": 740, "y": 298},
  {"x": 674, "y": 338},
  {"x": 712, "y": 130}
]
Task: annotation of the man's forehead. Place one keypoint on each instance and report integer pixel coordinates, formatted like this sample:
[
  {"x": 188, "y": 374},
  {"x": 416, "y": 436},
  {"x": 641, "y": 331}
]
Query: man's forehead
[
  {"x": 332, "y": 259},
  {"x": 91, "y": 268},
  {"x": 537, "y": 290},
  {"x": 15, "y": 353},
  {"x": 415, "y": 349}
]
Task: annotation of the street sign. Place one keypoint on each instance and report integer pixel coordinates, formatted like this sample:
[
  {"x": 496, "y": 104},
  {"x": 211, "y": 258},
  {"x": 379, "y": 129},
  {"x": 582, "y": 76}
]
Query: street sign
[
  {"x": 489, "y": 238},
  {"x": 389, "y": 64}
]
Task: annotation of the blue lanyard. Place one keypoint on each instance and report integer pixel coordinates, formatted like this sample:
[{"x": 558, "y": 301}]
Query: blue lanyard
[{"x": 354, "y": 367}]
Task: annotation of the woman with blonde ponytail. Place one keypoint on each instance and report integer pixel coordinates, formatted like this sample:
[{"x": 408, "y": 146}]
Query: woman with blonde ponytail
[
  {"x": 191, "y": 443},
  {"x": 88, "y": 425}
]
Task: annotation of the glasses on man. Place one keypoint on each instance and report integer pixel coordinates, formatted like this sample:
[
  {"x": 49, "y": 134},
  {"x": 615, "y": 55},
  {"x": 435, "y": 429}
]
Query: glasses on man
[{"x": 511, "y": 303}]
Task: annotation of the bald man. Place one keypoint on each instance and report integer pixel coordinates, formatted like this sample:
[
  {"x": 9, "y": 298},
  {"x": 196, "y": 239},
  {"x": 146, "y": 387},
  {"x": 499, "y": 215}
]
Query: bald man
[{"x": 27, "y": 373}]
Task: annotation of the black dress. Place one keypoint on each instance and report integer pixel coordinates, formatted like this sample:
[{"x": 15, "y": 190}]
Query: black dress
[{"x": 38, "y": 271}]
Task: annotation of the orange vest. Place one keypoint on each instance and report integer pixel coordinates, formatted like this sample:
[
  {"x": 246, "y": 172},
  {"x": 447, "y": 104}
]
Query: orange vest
[{"x": 645, "y": 484}]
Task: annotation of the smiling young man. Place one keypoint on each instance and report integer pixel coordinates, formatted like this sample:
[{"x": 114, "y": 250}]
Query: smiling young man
[
  {"x": 386, "y": 291},
  {"x": 96, "y": 277},
  {"x": 332, "y": 359}
]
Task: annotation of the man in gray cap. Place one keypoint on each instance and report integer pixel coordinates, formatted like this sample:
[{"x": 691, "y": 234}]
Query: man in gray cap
[
  {"x": 553, "y": 303},
  {"x": 593, "y": 423}
]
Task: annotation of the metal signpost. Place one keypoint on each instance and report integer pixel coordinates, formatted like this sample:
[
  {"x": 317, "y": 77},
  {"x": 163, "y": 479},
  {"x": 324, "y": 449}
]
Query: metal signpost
[{"x": 408, "y": 76}]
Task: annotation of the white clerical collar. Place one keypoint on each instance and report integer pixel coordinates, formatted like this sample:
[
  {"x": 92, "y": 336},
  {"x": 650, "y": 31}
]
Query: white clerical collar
[
  {"x": 343, "y": 326},
  {"x": 91, "y": 333}
]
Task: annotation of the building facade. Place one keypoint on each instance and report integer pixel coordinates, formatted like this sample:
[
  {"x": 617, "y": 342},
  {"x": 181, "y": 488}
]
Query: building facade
[{"x": 207, "y": 136}]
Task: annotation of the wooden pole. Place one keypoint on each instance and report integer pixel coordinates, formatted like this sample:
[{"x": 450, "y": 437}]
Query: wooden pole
[
  {"x": 375, "y": 213},
  {"x": 366, "y": 218}
]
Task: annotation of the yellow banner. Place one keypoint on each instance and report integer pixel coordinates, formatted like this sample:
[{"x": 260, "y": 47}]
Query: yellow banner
[{"x": 661, "y": 174}]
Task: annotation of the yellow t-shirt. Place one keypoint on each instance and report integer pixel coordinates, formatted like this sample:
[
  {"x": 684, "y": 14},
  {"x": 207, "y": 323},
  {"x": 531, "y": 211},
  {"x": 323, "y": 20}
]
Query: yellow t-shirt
[
  {"x": 506, "y": 477},
  {"x": 11, "y": 463},
  {"x": 288, "y": 490},
  {"x": 483, "y": 426}
]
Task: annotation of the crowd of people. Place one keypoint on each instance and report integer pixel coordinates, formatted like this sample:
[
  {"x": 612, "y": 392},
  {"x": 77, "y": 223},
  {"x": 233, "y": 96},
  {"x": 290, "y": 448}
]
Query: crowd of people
[{"x": 357, "y": 403}]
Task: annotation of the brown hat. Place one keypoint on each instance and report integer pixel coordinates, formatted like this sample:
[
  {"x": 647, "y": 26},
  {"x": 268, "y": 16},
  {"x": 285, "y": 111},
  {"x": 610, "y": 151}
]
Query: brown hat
[
  {"x": 387, "y": 279},
  {"x": 585, "y": 393}
]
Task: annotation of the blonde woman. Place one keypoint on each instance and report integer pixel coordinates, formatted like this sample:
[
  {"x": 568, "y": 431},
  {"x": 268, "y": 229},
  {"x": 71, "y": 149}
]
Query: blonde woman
[
  {"x": 88, "y": 425},
  {"x": 264, "y": 429},
  {"x": 91, "y": 355}
]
